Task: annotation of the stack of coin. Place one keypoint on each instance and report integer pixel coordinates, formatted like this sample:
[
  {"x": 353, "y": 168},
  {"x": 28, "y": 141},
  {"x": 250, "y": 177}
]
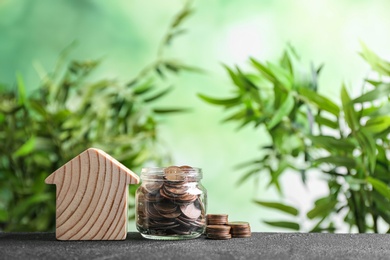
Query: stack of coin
[
  {"x": 217, "y": 224},
  {"x": 171, "y": 204},
  {"x": 217, "y": 219},
  {"x": 218, "y": 232},
  {"x": 240, "y": 229}
]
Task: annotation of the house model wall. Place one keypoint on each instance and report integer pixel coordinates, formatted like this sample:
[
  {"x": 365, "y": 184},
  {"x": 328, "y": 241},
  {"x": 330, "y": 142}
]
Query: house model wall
[{"x": 91, "y": 197}]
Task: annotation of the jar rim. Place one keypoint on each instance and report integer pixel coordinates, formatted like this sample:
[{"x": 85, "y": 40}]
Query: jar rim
[{"x": 159, "y": 172}]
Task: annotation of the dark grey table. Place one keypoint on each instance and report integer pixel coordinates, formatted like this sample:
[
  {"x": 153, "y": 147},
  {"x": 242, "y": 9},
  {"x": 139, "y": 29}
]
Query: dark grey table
[{"x": 259, "y": 246}]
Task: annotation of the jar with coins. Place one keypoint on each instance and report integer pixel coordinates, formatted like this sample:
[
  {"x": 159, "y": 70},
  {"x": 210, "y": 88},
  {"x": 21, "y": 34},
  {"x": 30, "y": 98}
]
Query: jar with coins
[{"x": 171, "y": 203}]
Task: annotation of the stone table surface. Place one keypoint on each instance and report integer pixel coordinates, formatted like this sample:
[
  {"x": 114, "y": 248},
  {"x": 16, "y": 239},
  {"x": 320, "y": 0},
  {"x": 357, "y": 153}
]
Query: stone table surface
[{"x": 259, "y": 246}]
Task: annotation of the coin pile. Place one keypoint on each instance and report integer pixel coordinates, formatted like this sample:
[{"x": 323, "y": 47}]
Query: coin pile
[
  {"x": 218, "y": 227},
  {"x": 240, "y": 229},
  {"x": 217, "y": 219},
  {"x": 218, "y": 232},
  {"x": 171, "y": 204}
]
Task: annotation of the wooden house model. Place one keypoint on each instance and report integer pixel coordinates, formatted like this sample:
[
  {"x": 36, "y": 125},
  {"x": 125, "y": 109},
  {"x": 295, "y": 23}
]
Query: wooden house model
[{"x": 91, "y": 197}]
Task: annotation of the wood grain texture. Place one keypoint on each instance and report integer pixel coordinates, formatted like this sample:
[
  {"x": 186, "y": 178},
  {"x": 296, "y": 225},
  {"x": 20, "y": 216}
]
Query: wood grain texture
[{"x": 91, "y": 196}]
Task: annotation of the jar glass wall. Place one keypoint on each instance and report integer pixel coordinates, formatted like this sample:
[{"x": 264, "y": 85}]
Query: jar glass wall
[{"x": 171, "y": 203}]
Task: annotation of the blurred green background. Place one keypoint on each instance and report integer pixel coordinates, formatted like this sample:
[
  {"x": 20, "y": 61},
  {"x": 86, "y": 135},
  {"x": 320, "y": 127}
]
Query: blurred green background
[{"x": 125, "y": 34}]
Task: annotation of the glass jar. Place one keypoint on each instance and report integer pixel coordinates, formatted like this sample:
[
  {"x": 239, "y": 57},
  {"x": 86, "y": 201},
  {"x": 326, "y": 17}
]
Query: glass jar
[{"x": 171, "y": 203}]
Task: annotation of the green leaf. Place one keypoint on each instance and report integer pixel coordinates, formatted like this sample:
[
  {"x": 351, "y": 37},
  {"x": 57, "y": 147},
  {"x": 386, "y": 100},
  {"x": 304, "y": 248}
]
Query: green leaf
[
  {"x": 382, "y": 91},
  {"x": 349, "y": 112},
  {"x": 279, "y": 206},
  {"x": 283, "y": 224},
  {"x": 26, "y": 148},
  {"x": 236, "y": 116},
  {"x": 184, "y": 13},
  {"x": 234, "y": 77},
  {"x": 331, "y": 143},
  {"x": 321, "y": 102},
  {"x": 380, "y": 186},
  {"x": 143, "y": 88},
  {"x": 326, "y": 122},
  {"x": 284, "y": 110},
  {"x": 247, "y": 175},
  {"x": 268, "y": 74},
  {"x": 38, "y": 107},
  {"x": 282, "y": 76},
  {"x": 22, "y": 96},
  {"x": 368, "y": 146},
  {"x": 4, "y": 215},
  {"x": 377, "y": 64},
  {"x": 169, "y": 110},
  {"x": 377, "y": 124},
  {"x": 321, "y": 210},
  {"x": 224, "y": 102},
  {"x": 158, "y": 95},
  {"x": 337, "y": 161}
]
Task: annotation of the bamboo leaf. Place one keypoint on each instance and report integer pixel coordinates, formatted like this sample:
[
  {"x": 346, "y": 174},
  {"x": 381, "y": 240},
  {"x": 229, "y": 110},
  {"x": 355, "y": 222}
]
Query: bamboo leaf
[
  {"x": 320, "y": 101},
  {"x": 349, "y": 112},
  {"x": 377, "y": 124},
  {"x": 368, "y": 146},
  {"x": 267, "y": 73},
  {"x": 337, "y": 161},
  {"x": 377, "y": 64},
  {"x": 234, "y": 77},
  {"x": 169, "y": 110},
  {"x": 278, "y": 206},
  {"x": 284, "y": 110},
  {"x": 284, "y": 224},
  {"x": 379, "y": 186},
  {"x": 26, "y": 148},
  {"x": 224, "y": 102},
  {"x": 247, "y": 175},
  {"x": 321, "y": 209},
  {"x": 158, "y": 95},
  {"x": 382, "y": 91},
  {"x": 326, "y": 122},
  {"x": 22, "y": 96},
  {"x": 331, "y": 143}
]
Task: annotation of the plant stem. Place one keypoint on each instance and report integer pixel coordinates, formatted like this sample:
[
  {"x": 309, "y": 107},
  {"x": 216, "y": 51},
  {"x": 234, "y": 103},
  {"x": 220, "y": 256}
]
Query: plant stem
[{"x": 358, "y": 220}]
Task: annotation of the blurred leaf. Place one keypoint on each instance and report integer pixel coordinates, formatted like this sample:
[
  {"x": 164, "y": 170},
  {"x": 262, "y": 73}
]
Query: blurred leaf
[
  {"x": 184, "y": 13},
  {"x": 267, "y": 73},
  {"x": 26, "y": 148},
  {"x": 382, "y": 91},
  {"x": 283, "y": 224},
  {"x": 3, "y": 215},
  {"x": 321, "y": 102},
  {"x": 279, "y": 206},
  {"x": 158, "y": 95},
  {"x": 143, "y": 88},
  {"x": 377, "y": 124},
  {"x": 22, "y": 96},
  {"x": 247, "y": 175},
  {"x": 338, "y": 161},
  {"x": 321, "y": 209},
  {"x": 380, "y": 186},
  {"x": 377, "y": 64},
  {"x": 282, "y": 76},
  {"x": 326, "y": 122},
  {"x": 331, "y": 143},
  {"x": 169, "y": 110},
  {"x": 349, "y": 112},
  {"x": 225, "y": 102},
  {"x": 368, "y": 146},
  {"x": 283, "y": 111}
]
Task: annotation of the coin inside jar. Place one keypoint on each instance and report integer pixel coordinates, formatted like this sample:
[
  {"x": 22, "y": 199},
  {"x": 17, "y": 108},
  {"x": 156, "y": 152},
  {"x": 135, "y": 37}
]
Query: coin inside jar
[
  {"x": 170, "y": 205},
  {"x": 174, "y": 173}
]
